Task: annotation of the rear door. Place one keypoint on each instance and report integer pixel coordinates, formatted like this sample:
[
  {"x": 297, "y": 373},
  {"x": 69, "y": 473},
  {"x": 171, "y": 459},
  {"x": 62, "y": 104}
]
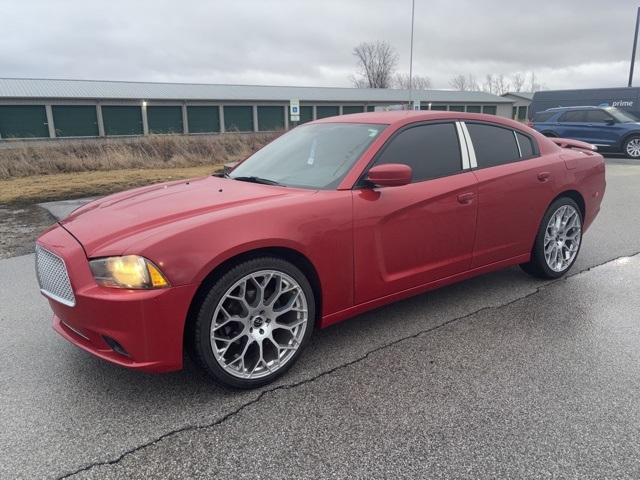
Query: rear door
[
  {"x": 515, "y": 186},
  {"x": 571, "y": 124},
  {"x": 417, "y": 233}
]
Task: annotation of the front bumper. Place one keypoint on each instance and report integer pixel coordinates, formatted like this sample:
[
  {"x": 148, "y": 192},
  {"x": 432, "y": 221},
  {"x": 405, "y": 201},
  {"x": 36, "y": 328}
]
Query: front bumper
[{"x": 146, "y": 325}]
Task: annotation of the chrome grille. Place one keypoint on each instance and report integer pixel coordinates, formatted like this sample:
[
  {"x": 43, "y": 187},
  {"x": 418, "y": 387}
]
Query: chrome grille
[{"x": 53, "y": 277}]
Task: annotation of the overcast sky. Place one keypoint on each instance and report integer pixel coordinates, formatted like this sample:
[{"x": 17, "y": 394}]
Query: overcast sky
[{"x": 567, "y": 43}]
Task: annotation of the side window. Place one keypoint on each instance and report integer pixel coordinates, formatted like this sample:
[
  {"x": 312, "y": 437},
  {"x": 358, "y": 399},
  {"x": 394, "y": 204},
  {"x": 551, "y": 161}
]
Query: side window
[
  {"x": 596, "y": 116},
  {"x": 572, "y": 116},
  {"x": 526, "y": 145},
  {"x": 493, "y": 145},
  {"x": 543, "y": 116},
  {"x": 431, "y": 151}
]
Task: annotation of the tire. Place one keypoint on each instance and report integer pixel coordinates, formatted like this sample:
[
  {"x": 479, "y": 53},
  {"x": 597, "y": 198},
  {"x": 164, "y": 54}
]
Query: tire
[
  {"x": 565, "y": 238},
  {"x": 550, "y": 134},
  {"x": 254, "y": 323},
  {"x": 631, "y": 147}
]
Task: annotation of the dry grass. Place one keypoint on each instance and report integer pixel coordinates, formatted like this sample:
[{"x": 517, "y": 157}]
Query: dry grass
[
  {"x": 41, "y": 188},
  {"x": 154, "y": 152},
  {"x": 37, "y": 172}
]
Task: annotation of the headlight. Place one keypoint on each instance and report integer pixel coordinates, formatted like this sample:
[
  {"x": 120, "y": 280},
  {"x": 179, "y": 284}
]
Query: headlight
[{"x": 130, "y": 271}]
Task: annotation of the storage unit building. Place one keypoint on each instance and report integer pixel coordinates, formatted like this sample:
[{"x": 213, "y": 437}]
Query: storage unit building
[{"x": 40, "y": 108}]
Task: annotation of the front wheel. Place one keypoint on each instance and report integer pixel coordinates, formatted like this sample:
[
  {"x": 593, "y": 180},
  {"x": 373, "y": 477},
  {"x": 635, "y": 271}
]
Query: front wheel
[
  {"x": 254, "y": 322},
  {"x": 632, "y": 147},
  {"x": 558, "y": 240}
]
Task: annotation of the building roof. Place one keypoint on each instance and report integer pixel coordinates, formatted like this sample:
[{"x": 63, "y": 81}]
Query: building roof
[
  {"x": 27, "y": 88},
  {"x": 524, "y": 95}
]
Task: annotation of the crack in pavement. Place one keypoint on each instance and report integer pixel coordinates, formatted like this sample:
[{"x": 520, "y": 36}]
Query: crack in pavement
[{"x": 262, "y": 394}]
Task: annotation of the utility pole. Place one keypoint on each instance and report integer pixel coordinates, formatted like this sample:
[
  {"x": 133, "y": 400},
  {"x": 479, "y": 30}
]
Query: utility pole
[
  {"x": 413, "y": 9},
  {"x": 633, "y": 53}
]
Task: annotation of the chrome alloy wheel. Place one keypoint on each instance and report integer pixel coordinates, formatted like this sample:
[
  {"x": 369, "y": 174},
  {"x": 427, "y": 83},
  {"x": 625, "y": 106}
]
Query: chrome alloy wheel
[
  {"x": 562, "y": 238},
  {"x": 633, "y": 148},
  {"x": 259, "y": 324}
]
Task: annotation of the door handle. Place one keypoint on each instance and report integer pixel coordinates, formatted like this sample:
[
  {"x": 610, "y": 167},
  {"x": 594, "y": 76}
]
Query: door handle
[
  {"x": 466, "y": 198},
  {"x": 544, "y": 176}
]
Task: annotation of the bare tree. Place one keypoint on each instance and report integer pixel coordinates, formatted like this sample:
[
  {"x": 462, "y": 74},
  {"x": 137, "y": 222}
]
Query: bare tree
[
  {"x": 418, "y": 82},
  {"x": 533, "y": 85},
  {"x": 501, "y": 84},
  {"x": 517, "y": 82},
  {"x": 462, "y": 83},
  {"x": 376, "y": 63}
]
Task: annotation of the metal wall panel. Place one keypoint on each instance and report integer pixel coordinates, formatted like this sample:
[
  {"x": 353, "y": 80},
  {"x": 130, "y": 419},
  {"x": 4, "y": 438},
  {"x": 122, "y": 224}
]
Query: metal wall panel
[
  {"x": 23, "y": 121},
  {"x": 323, "y": 111},
  {"x": 203, "y": 119},
  {"x": 122, "y": 120},
  {"x": 75, "y": 120},
  {"x": 164, "y": 119},
  {"x": 270, "y": 118},
  {"x": 238, "y": 118},
  {"x": 352, "y": 109},
  {"x": 306, "y": 113}
]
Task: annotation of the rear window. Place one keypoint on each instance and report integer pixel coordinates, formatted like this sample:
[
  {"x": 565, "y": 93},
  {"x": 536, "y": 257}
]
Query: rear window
[{"x": 543, "y": 116}]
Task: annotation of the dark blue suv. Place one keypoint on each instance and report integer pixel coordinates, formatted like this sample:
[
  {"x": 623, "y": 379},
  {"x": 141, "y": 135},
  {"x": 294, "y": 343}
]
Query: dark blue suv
[{"x": 606, "y": 127}]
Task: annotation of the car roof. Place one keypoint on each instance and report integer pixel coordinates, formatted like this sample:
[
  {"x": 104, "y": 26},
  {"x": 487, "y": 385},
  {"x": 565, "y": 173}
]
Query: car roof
[
  {"x": 401, "y": 117},
  {"x": 582, "y": 107}
]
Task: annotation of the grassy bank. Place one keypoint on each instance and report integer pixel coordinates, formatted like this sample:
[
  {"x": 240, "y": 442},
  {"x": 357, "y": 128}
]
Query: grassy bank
[
  {"x": 33, "y": 172},
  {"x": 42, "y": 188}
]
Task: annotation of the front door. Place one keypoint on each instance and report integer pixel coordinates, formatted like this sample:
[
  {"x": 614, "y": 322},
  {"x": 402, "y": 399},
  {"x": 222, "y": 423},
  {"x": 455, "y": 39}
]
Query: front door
[{"x": 414, "y": 234}]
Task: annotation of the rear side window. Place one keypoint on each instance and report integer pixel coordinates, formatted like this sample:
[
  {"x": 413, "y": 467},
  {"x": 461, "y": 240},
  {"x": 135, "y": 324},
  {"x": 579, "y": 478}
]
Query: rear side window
[
  {"x": 543, "y": 116},
  {"x": 572, "y": 116},
  {"x": 432, "y": 151},
  {"x": 493, "y": 145},
  {"x": 526, "y": 146}
]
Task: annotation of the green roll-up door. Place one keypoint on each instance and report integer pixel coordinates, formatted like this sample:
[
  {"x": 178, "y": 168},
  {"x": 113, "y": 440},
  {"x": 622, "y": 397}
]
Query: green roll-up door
[
  {"x": 122, "y": 120},
  {"x": 474, "y": 109},
  {"x": 23, "y": 121},
  {"x": 306, "y": 113},
  {"x": 371, "y": 108},
  {"x": 323, "y": 111},
  {"x": 238, "y": 118},
  {"x": 490, "y": 109},
  {"x": 203, "y": 119},
  {"x": 270, "y": 118},
  {"x": 352, "y": 109},
  {"x": 456, "y": 108},
  {"x": 164, "y": 119},
  {"x": 438, "y": 107},
  {"x": 75, "y": 120}
]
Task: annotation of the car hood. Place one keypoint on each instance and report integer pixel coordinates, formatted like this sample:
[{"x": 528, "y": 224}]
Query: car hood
[{"x": 110, "y": 220}]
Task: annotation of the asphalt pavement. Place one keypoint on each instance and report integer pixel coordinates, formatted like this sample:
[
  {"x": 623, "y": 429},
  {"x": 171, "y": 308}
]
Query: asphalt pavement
[{"x": 501, "y": 376}]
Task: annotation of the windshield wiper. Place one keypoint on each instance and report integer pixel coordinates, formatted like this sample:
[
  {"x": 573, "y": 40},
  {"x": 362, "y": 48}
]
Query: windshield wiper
[{"x": 252, "y": 179}]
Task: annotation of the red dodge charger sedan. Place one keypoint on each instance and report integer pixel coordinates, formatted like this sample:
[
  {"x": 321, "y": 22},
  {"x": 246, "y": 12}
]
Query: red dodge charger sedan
[{"x": 333, "y": 218}]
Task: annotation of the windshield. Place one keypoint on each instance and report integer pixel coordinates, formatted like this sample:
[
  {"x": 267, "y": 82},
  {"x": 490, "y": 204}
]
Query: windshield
[
  {"x": 310, "y": 156},
  {"x": 622, "y": 116}
]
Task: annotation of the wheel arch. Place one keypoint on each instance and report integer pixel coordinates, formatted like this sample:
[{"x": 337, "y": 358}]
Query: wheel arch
[
  {"x": 574, "y": 195},
  {"x": 286, "y": 253},
  {"x": 627, "y": 136}
]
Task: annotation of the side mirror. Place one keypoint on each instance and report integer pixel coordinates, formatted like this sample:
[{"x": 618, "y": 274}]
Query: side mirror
[
  {"x": 611, "y": 121},
  {"x": 390, "y": 175}
]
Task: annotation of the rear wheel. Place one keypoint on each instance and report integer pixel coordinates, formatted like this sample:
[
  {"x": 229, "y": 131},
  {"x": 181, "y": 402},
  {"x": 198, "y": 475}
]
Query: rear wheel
[
  {"x": 254, "y": 323},
  {"x": 558, "y": 240},
  {"x": 550, "y": 134},
  {"x": 632, "y": 147}
]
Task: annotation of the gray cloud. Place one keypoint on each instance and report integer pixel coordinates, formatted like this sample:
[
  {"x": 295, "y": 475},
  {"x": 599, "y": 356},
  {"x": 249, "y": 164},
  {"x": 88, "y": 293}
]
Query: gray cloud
[{"x": 578, "y": 43}]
